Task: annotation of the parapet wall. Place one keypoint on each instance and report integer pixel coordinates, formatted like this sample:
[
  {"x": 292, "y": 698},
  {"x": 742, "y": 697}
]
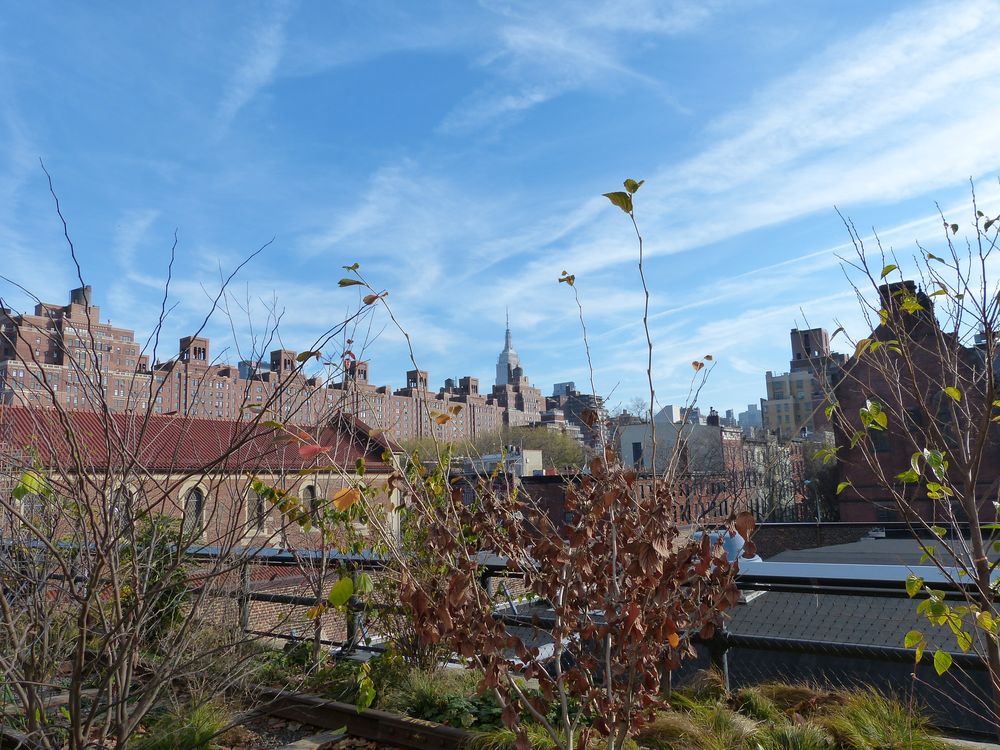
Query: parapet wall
[{"x": 773, "y": 538}]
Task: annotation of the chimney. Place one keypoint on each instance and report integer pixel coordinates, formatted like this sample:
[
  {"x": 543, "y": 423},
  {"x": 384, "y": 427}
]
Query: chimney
[
  {"x": 80, "y": 296},
  {"x": 889, "y": 294}
]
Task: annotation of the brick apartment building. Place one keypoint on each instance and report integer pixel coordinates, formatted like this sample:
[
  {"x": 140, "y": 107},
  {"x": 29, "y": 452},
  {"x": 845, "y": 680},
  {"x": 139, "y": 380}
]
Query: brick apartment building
[
  {"x": 909, "y": 416},
  {"x": 584, "y": 411},
  {"x": 67, "y": 354}
]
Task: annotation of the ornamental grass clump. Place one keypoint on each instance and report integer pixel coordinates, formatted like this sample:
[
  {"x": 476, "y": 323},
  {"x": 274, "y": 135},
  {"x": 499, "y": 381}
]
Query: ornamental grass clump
[{"x": 871, "y": 720}]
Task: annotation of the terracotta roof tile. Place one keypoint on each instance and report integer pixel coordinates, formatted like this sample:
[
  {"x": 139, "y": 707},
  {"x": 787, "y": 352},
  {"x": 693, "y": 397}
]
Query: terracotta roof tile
[{"x": 174, "y": 442}]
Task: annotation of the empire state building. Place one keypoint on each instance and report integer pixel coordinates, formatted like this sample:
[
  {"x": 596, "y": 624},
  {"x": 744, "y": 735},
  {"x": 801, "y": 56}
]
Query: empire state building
[{"x": 507, "y": 361}]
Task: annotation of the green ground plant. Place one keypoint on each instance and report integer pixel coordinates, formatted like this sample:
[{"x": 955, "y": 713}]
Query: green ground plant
[{"x": 192, "y": 726}]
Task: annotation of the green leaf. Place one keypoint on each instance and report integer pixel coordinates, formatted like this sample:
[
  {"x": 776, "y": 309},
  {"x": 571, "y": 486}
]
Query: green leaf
[
  {"x": 908, "y": 477},
  {"x": 622, "y": 200},
  {"x": 350, "y": 282},
  {"x": 341, "y": 592},
  {"x": 862, "y": 344},
  {"x": 842, "y": 486},
  {"x": 632, "y": 185},
  {"x": 985, "y": 621},
  {"x": 912, "y": 638},
  {"x": 888, "y": 269},
  {"x": 366, "y": 689},
  {"x": 364, "y": 584},
  {"x": 352, "y": 267},
  {"x": 964, "y": 640},
  {"x": 304, "y": 356},
  {"x": 913, "y": 584},
  {"x": 920, "y": 651},
  {"x": 942, "y": 661},
  {"x": 954, "y": 393},
  {"x": 938, "y": 530},
  {"x": 935, "y": 459},
  {"x": 31, "y": 483},
  {"x": 873, "y": 417}
]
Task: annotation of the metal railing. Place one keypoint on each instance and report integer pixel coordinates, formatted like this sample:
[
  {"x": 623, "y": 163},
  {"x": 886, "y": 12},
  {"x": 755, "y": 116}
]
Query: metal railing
[{"x": 743, "y": 657}]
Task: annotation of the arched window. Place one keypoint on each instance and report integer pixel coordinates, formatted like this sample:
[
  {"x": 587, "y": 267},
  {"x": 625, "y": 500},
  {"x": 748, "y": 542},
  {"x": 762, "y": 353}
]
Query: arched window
[
  {"x": 258, "y": 511},
  {"x": 121, "y": 508},
  {"x": 310, "y": 499},
  {"x": 194, "y": 512}
]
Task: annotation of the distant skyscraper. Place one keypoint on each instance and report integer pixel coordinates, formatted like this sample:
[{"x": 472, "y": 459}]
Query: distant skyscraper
[
  {"x": 750, "y": 420},
  {"x": 508, "y": 360},
  {"x": 563, "y": 389}
]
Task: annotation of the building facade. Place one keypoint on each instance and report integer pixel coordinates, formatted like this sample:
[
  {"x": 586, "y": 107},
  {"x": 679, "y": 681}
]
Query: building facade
[
  {"x": 920, "y": 415},
  {"x": 794, "y": 407},
  {"x": 65, "y": 354},
  {"x": 751, "y": 420},
  {"x": 584, "y": 414}
]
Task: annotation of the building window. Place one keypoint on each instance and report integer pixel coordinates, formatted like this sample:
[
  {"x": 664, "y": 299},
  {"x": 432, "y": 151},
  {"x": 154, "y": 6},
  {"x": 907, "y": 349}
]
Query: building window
[
  {"x": 637, "y": 454},
  {"x": 258, "y": 508},
  {"x": 194, "y": 512},
  {"x": 310, "y": 500}
]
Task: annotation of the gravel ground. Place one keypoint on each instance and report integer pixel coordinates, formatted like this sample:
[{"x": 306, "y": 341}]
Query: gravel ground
[
  {"x": 265, "y": 733},
  {"x": 268, "y": 733}
]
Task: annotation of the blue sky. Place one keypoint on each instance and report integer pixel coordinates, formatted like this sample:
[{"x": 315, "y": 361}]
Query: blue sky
[{"x": 458, "y": 151}]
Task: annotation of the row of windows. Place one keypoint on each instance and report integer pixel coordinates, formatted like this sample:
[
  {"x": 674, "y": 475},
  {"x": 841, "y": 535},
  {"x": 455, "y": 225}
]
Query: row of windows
[{"x": 193, "y": 521}]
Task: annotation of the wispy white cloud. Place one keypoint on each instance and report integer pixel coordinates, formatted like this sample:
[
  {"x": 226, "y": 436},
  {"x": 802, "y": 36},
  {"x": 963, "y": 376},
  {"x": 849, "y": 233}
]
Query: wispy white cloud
[
  {"x": 130, "y": 234},
  {"x": 541, "y": 51},
  {"x": 24, "y": 260},
  {"x": 257, "y": 69},
  {"x": 906, "y": 108}
]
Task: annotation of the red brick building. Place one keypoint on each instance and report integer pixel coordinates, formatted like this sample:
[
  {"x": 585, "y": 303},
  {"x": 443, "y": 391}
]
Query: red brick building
[
  {"x": 113, "y": 472},
  {"x": 192, "y": 469},
  {"x": 67, "y": 355},
  {"x": 914, "y": 401}
]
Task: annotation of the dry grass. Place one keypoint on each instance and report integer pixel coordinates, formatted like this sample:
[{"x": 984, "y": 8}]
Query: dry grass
[{"x": 672, "y": 731}]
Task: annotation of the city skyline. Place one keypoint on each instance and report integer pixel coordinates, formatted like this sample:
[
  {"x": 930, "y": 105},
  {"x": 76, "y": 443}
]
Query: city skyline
[
  {"x": 460, "y": 154},
  {"x": 145, "y": 359}
]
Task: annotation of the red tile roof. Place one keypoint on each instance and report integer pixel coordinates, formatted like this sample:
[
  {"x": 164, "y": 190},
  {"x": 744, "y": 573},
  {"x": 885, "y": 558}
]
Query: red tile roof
[{"x": 175, "y": 442}]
